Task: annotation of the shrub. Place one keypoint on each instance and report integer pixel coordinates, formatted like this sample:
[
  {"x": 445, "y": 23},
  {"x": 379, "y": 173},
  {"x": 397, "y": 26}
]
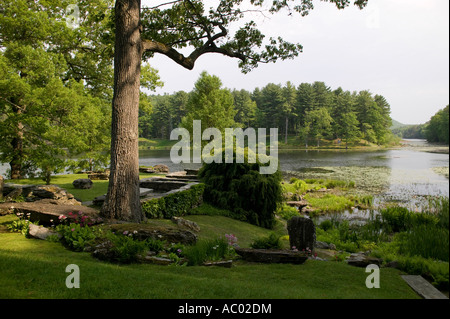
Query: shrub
[
  {"x": 240, "y": 188},
  {"x": 326, "y": 225},
  {"x": 270, "y": 242},
  {"x": 300, "y": 185},
  {"x": 176, "y": 204},
  {"x": 124, "y": 249},
  {"x": 75, "y": 237},
  {"x": 287, "y": 212}
]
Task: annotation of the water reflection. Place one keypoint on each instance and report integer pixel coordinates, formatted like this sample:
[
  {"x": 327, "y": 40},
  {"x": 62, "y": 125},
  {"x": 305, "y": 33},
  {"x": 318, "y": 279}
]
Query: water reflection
[{"x": 399, "y": 175}]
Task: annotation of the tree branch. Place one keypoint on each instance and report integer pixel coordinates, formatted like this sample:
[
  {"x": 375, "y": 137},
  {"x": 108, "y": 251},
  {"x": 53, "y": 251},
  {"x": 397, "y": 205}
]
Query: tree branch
[{"x": 188, "y": 62}]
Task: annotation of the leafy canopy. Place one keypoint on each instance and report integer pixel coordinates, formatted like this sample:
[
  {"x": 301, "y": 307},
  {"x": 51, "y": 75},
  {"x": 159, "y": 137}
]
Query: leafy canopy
[{"x": 174, "y": 25}]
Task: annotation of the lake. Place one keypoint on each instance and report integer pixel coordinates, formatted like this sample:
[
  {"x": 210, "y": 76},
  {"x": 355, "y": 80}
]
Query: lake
[{"x": 404, "y": 175}]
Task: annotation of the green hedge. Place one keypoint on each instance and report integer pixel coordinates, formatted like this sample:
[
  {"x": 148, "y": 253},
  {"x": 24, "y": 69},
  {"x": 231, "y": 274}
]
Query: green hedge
[{"x": 176, "y": 204}]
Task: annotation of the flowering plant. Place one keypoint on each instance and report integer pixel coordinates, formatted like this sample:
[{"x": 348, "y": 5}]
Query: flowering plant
[
  {"x": 79, "y": 218},
  {"x": 232, "y": 240}
]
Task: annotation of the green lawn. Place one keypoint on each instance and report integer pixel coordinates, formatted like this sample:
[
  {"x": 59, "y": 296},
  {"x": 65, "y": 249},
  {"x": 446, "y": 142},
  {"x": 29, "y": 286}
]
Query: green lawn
[
  {"x": 32, "y": 268},
  {"x": 99, "y": 187}
]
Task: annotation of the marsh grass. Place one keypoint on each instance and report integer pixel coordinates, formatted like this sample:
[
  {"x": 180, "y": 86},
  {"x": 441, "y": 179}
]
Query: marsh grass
[
  {"x": 418, "y": 241},
  {"x": 329, "y": 202}
]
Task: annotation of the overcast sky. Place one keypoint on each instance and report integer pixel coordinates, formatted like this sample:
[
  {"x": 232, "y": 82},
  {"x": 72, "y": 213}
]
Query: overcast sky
[{"x": 395, "y": 48}]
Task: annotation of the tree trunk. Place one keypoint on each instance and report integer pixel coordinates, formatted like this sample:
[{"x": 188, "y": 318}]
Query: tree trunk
[
  {"x": 17, "y": 146},
  {"x": 122, "y": 200}
]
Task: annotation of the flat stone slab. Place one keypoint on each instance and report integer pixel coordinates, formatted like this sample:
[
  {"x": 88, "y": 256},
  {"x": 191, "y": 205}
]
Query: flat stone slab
[
  {"x": 271, "y": 256},
  {"x": 423, "y": 288},
  {"x": 161, "y": 184},
  {"x": 45, "y": 212}
]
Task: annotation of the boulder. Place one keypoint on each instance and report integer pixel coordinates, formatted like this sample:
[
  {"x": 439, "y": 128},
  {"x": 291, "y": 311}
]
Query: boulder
[
  {"x": 302, "y": 233},
  {"x": 40, "y": 232},
  {"x": 300, "y": 204},
  {"x": 83, "y": 183},
  {"x": 324, "y": 245},
  {"x": 363, "y": 260},
  {"x": 24, "y": 189},
  {"x": 271, "y": 256},
  {"x": 186, "y": 223},
  {"x": 99, "y": 176},
  {"x": 49, "y": 192},
  {"x": 192, "y": 171},
  {"x": 14, "y": 195},
  {"x": 147, "y": 170},
  {"x": 161, "y": 168},
  {"x": 99, "y": 200}
]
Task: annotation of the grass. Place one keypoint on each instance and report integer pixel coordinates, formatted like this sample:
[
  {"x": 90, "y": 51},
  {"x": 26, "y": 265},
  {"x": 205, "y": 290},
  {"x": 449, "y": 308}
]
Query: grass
[
  {"x": 36, "y": 269},
  {"x": 155, "y": 144},
  {"x": 99, "y": 187}
]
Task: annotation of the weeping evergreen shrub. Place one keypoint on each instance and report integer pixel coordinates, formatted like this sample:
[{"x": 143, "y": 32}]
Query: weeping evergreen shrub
[{"x": 241, "y": 189}]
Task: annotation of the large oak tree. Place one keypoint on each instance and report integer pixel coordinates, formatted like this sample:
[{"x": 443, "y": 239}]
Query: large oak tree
[{"x": 167, "y": 28}]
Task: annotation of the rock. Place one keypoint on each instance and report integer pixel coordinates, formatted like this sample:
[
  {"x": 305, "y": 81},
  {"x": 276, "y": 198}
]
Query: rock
[
  {"x": 41, "y": 232},
  {"x": 271, "y": 256},
  {"x": 186, "y": 223},
  {"x": 103, "y": 251},
  {"x": 164, "y": 233},
  {"x": 99, "y": 200},
  {"x": 307, "y": 210},
  {"x": 147, "y": 170},
  {"x": 156, "y": 260},
  {"x": 326, "y": 254},
  {"x": 48, "y": 192},
  {"x": 302, "y": 233},
  {"x": 362, "y": 260},
  {"x": 225, "y": 264},
  {"x": 161, "y": 185},
  {"x": 9, "y": 187},
  {"x": 45, "y": 212},
  {"x": 14, "y": 195},
  {"x": 161, "y": 168},
  {"x": 192, "y": 171},
  {"x": 300, "y": 204},
  {"x": 99, "y": 176},
  {"x": 322, "y": 245},
  {"x": 182, "y": 176},
  {"x": 84, "y": 183},
  {"x": 392, "y": 264}
]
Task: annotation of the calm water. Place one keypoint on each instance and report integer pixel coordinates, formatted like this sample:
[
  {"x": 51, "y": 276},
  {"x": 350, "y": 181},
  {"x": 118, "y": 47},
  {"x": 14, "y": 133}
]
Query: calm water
[{"x": 400, "y": 174}]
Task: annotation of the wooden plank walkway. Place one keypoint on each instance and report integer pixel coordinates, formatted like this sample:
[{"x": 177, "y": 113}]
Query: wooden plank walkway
[{"x": 423, "y": 288}]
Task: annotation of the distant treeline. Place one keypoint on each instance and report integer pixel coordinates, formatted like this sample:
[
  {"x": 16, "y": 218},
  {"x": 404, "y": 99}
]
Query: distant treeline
[
  {"x": 309, "y": 111},
  {"x": 434, "y": 131}
]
